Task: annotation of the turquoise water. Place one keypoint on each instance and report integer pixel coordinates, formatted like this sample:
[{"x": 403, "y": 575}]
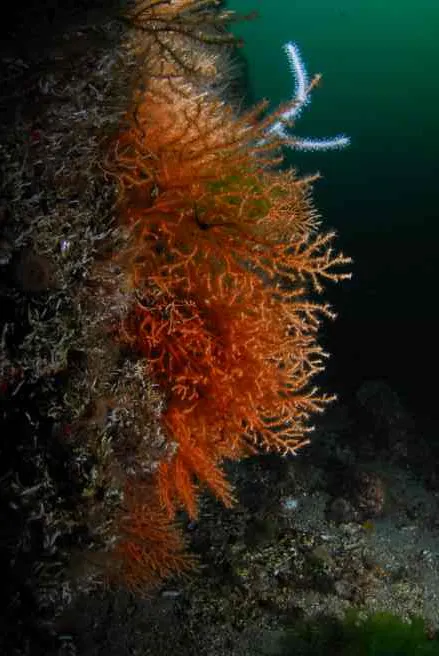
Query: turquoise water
[{"x": 380, "y": 62}]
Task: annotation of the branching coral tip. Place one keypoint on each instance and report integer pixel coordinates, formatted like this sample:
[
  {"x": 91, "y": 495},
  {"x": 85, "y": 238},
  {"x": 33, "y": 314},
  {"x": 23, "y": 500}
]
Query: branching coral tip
[{"x": 301, "y": 97}]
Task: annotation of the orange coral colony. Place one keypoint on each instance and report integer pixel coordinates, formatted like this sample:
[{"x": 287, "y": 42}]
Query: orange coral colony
[
  {"x": 223, "y": 251},
  {"x": 225, "y": 256}
]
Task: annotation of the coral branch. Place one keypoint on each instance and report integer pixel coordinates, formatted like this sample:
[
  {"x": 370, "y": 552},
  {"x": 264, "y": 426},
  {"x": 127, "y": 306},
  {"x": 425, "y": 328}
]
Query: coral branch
[
  {"x": 151, "y": 547},
  {"x": 301, "y": 98}
]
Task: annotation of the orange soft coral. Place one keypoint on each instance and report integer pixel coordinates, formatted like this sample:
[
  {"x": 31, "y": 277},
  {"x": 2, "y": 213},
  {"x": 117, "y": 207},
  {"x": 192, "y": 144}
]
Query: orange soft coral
[{"x": 224, "y": 252}]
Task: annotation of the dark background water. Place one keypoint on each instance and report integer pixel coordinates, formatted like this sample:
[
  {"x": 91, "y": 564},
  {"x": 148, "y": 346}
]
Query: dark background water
[{"x": 380, "y": 86}]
